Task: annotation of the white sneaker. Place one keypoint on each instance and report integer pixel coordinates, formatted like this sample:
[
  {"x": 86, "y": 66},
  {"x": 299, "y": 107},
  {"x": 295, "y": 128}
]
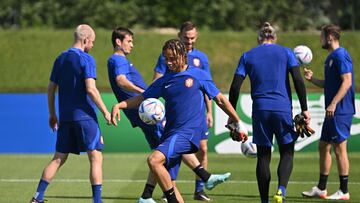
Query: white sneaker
[
  {"x": 339, "y": 195},
  {"x": 315, "y": 192}
]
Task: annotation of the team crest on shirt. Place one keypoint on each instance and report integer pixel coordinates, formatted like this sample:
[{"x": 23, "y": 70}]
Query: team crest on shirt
[
  {"x": 189, "y": 82},
  {"x": 196, "y": 62}
]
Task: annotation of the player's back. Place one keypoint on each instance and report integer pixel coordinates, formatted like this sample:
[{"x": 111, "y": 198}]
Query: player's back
[
  {"x": 267, "y": 66},
  {"x": 70, "y": 70}
]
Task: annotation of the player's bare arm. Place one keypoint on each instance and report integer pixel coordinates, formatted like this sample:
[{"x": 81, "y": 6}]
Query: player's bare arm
[
  {"x": 209, "y": 117},
  {"x": 157, "y": 75},
  {"x": 53, "y": 121},
  {"x": 130, "y": 103},
  {"x": 94, "y": 94},
  {"x": 124, "y": 83},
  {"x": 344, "y": 87}
]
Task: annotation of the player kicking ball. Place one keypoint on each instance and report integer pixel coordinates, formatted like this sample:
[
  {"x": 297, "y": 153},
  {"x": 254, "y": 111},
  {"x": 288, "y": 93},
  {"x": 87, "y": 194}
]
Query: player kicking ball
[{"x": 181, "y": 88}]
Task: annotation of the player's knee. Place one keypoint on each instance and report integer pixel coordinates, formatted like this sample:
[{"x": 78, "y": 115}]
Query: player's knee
[
  {"x": 203, "y": 150},
  {"x": 154, "y": 160}
]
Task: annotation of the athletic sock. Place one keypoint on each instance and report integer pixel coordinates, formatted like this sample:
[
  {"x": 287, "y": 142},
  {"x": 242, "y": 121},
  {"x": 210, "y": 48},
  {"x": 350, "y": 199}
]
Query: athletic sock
[
  {"x": 148, "y": 191},
  {"x": 202, "y": 173},
  {"x": 40, "y": 191},
  {"x": 264, "y": 200},
  {"x": 199, "y": 185},
  {"x": 322, "y": 182},
  {"x": 344, "y": 183},
  {"x": 283, "y": 190},
  {"x": 263, "y": 174},
  {"x": 96, "y": 191},
  {"x": 171, "y": 196}
]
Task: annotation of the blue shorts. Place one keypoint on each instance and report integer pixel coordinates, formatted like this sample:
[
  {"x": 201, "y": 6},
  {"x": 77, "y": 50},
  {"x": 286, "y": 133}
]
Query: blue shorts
[
  {"x": 152, "y": 133},
  {"x": 336, "y": 129},
  {"x": 78, "y": 136},
  {"x": 204, "y": 133},
  {"x": 173, "y": 148},
  {"x": 267, "y": 123}
]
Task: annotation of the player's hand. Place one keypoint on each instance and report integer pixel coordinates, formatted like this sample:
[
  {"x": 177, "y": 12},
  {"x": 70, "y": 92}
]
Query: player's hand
[
  {"x": 107, "y": 117},
  {"x": 209, "y": 120},
  {"x": 238, "y": 131},
  {"x": 115, "y": 113},
  {"x": 308, "y": 74},
  {"x": 307, "y": 117},
  {"x": 330, "y": 110},
  {"x": 301, "y": 127},
  {"x": 53, "y": 122}
]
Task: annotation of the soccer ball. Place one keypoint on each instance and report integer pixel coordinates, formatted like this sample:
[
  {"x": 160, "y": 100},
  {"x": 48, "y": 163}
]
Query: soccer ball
[
  {"x": 151, "y": 111},
  {"x": 249, "y": 149},
  {"x": 303, "y": 54}
]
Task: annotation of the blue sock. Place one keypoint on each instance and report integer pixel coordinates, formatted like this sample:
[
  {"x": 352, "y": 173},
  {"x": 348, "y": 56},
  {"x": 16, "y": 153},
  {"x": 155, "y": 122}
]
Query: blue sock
[
  {"x": 96, "y": 191},
  {"x": 40, "y": 191},
  {"x": 264, "y": 201},
  {"x": 283, "y": 190},
  {"x": 199, "y": 185}
]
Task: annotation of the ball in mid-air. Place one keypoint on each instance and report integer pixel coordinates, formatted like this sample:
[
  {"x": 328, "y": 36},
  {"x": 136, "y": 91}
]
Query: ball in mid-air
[
  {"x": 151, "y": 111},
  {"x": 303, "y": 54}
]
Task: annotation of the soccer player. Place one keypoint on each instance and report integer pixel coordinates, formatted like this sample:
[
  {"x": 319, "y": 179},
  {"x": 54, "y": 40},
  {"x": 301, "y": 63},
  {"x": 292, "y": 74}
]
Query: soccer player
[
  {"x": 127, "y": 82},
  {"x": 181, "y": 88},
  {"x": 339, "y": 91},
  {"x": 188, "y": 35},
  {"x": 268, "y": 66},
  {"x": 74, "y": 73}
]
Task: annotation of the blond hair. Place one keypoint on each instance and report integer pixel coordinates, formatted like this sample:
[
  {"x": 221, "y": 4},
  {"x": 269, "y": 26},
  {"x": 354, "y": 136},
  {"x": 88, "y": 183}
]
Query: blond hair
[{"x": 266, "y": 32}]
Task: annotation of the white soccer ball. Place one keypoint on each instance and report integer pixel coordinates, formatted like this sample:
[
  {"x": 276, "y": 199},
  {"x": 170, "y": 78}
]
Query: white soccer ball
[
  {"x": 303, "y": 54},
  {"x": 151, "y": 111},
  {"x": 249, "y": 149}
]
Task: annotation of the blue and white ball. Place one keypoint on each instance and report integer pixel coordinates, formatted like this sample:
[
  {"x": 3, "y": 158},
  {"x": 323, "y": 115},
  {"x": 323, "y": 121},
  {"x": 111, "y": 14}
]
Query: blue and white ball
[
  {"x": 151, "y": 111},
  {"x": 249, "y": 149},
  {"x": 303, "y": 54}
]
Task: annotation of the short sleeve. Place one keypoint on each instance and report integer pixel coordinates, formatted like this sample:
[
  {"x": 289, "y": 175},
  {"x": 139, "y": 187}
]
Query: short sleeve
[
  {"x": 54, "y": 76},
  {"x": 121, "y": 67},
  {"x": 89, "y": 67},
  {"x": 209, "y": 88},
  {"x": 292, "y": 61},
  {"x": 345, "y": 64},
  {"x": 206, "y": 66},
  {"x": 154, "y": 90},
  {"x": 161, "y": 65},
  {"x": 240, "y": 70}
]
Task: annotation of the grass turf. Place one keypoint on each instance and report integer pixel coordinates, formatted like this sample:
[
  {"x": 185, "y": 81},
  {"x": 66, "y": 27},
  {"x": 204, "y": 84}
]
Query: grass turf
[
  {"x": 125, "y": 174},
  {"x": 27, "y": 55}
]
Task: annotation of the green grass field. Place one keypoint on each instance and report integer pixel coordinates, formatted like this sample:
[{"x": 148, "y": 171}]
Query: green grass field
[
  {"x": 125, "y": 174},
  {"x": 27, "y": 55}
]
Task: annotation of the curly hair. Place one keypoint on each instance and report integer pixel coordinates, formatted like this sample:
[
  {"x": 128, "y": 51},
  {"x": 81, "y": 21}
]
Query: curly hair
[{"x": 177, "y": 47}]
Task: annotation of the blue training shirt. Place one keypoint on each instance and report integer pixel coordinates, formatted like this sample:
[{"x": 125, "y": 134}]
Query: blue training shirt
[
  {"x": 69, "y": 72},
  {"x": 338, "y": 63},
  {"x": 267, "y": 66},
  {"x": 119, "y": 65},
  {"x": 184, "y": 100},
  {"x": 195, "y": 58}
]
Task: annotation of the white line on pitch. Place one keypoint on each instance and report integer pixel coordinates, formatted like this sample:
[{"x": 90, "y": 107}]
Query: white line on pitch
[{"x": 143, "y": 181}]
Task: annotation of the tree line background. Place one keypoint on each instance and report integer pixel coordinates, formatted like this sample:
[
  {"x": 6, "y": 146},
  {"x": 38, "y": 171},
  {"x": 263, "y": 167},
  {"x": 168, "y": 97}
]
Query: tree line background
[{"x": 236, "y": 15}]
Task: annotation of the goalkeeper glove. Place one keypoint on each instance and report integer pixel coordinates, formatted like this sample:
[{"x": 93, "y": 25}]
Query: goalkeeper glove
[
  {"x": 238, "y": 131},
  {"x": 301, "y": 128}
]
